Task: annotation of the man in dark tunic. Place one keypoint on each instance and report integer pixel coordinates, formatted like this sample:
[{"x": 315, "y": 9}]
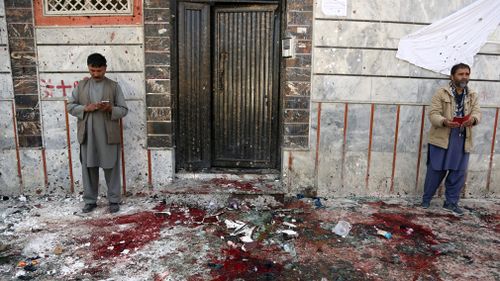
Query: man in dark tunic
[
  {"x": 454, "y": 111},
  {"x": 99, "y": 104}
]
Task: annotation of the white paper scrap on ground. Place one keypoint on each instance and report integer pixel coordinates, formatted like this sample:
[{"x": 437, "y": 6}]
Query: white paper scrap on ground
[{"x": 454, "y": 39}]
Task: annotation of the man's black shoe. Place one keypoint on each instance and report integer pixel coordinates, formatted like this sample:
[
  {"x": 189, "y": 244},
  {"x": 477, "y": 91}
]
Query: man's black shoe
[
  {"x": 453, "y": 208},
  {"x": 425, "y": 205},
  {"x": 89, "y": 208},
  {"x": 114, "y": 207}
]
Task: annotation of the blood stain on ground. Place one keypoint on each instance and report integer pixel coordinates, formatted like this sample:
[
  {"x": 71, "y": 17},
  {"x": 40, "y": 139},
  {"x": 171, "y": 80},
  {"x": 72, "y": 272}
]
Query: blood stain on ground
[
  {"x": 239, "y": 264},
  {"x": 247, "y": 186},
  {"x": 112, "y": 237},
  {"x": 414, "y": 247}
]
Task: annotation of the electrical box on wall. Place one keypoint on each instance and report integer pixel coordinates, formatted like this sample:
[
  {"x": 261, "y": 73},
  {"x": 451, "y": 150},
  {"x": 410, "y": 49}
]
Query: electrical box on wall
[{"x": 288, "y": 47}]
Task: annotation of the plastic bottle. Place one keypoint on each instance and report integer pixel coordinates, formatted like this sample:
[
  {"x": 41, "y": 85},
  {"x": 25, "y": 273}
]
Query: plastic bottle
[{"x": 383, "y": 233}]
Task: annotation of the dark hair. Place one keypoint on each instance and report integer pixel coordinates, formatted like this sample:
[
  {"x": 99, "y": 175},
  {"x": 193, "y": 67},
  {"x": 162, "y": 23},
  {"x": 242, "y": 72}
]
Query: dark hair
[
  {"x": 96, "y": 60},
  {"x": 458, "y": 66}
]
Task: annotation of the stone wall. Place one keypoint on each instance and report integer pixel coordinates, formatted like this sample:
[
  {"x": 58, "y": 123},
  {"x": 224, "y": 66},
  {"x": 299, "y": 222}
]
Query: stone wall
[
  {"x": 369, "y": 109},
  {"x": 297, "y": 75},
  {"x": 19, "y": 15}
]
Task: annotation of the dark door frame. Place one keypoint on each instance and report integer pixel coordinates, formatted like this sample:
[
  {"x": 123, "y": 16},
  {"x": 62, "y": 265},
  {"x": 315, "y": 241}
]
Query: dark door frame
[{"x": 174, "y": 79}]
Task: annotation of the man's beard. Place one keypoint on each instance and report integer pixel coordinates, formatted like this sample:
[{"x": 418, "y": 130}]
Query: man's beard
[{"x": 462, "y": 84}]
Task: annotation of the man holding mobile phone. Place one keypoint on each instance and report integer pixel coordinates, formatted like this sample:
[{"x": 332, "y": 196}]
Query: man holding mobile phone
[
  {"x": 99, "y": 104},
  {"x": 454, "y": 111}
]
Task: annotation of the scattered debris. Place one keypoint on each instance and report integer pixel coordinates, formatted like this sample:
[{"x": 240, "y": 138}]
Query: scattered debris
[
  {"x": 342, "y": 228},
  {"x": 153, "y": 239}
]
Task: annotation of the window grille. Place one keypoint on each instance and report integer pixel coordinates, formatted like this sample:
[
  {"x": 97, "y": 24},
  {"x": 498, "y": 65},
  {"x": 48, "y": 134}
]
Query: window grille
[{"x": 87, "y": 7}]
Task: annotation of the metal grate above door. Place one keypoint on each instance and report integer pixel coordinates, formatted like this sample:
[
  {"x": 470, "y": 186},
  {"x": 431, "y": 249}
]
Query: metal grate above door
[{"x": 87, "y": 7}]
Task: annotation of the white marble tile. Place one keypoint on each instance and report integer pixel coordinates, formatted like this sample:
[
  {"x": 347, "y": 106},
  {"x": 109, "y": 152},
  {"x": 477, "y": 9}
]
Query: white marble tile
[
  {"x": 339, "y": 33},
  {"x": 9, "y": 180},
  {"x": 6, "y": 87},
  {"x": 7, "y": 141},
  {"x": 74, "y": 58},
  {"x": 384, "y": 127},
  {"x": 54, "y": 124},
  {"x": 341, "y": 88},
  {"x": 4, "y": 59},
  {"x": 300, "y": 175},
  {"x": 393, "y": 90},
  {"x": 410, "y": 122},
  {"x": 355, "y": 167},
  {"x": 330, "y": 148},
  {"x": 3, "y": 31},
  {"x": 379, "y": 182},
  {"x": 59, "y": 85},
  {"x": 358, "y": 127},
  {"x": 486, "y": 67},
  {"x": 162, "y": 167},
  {"x": 32, "y": 170},
  {"x": 58, "y": 169},
  {"x": 2, "y": 8},
  {"x": 483, "y": 133},
  {"x": 90, "y": 35},
  {"x": 477, "y": 175},
  {"x": 430, "y": 10},
  {"x": 423, "y": 11},
  {"x": 384, "y": 62},
  {"x": 405, "y": 174},
  {"x": 359, "y": 61},
  {"x": 487, "y": 92},
  {"x": 134, "y": 140}
]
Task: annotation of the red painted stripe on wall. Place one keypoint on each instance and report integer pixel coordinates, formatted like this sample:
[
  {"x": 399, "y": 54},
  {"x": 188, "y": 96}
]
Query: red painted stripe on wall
[
  {"x": 395, "y": 149},
  {"x": 150, "y": 176},
  {"x": 42, "y": 20},
  {"x": 44, "y": 162},
  {"x": 19, "y": 170},
  {"x": 420, "y": 143},
  {"x": 370, "y": 142},
  {"x": 492, "y": 151},
  {"x": 318, "y": 134},
  {"x": 344, "y": 143},
  {"x": 124, "y": 178},
  {"x": 68, "y": 141}
]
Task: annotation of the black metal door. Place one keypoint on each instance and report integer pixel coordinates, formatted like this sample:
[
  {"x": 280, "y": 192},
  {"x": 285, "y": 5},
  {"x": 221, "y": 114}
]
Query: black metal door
[
  {"x": 194, "y": 93},
  {"x": 242, "y": 115}
]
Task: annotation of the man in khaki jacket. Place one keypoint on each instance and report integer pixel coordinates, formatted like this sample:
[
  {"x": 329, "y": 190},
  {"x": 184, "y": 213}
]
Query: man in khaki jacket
[{"x": 454, "y": 111}]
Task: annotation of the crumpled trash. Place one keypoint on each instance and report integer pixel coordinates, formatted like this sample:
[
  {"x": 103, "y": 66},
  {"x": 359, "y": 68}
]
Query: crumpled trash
[
  {"x": 317, "y": 203},
  {"x": 342, "y": 228},
  {"x": 289, "y": 248},
  {"x": 383, "y": 233},
  {"x": 443, "y": 248},
  {"x": 58, "y": 250},
  {"x": 241, "y": 229},
  {"x": 289, "y": 233}
]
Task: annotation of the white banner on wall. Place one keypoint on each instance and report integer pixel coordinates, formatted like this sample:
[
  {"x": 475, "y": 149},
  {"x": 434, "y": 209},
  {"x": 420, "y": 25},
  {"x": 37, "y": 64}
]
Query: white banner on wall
[
  {"x": 454, "y": 39},
  {"x": 334, "y": 7}
]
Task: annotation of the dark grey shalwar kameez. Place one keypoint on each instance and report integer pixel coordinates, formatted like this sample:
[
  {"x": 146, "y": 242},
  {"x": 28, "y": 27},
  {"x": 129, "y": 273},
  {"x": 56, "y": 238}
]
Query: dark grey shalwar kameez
[{"x": 95, "y": 152}]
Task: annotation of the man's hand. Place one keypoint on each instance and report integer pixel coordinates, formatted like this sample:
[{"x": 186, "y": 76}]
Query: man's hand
[
  {"x": 91, "y": 107},
  {"x": 451, "y": 124},
  {"x": 105, "y": 106},
  {"x": 469, "y": 123}
]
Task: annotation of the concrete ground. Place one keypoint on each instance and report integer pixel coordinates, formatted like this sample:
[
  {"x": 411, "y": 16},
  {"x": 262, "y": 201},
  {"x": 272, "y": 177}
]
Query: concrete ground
[{"x": 229, "y": 236}]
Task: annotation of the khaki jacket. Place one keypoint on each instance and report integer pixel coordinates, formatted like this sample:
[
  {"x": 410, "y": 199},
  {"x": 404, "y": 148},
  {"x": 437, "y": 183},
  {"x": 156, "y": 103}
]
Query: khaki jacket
[{"x": 443, "y": 107}]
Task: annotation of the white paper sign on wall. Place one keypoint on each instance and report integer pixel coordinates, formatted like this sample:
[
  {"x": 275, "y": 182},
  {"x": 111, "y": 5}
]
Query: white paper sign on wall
[{"x": 334, "y": 7}]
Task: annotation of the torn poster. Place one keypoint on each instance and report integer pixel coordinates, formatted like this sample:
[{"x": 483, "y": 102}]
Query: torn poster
[{"x": 454, "y": 39}]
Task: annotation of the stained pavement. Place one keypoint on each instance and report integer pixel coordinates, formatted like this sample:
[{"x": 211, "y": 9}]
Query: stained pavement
[{"x": 229, "y": 236}]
